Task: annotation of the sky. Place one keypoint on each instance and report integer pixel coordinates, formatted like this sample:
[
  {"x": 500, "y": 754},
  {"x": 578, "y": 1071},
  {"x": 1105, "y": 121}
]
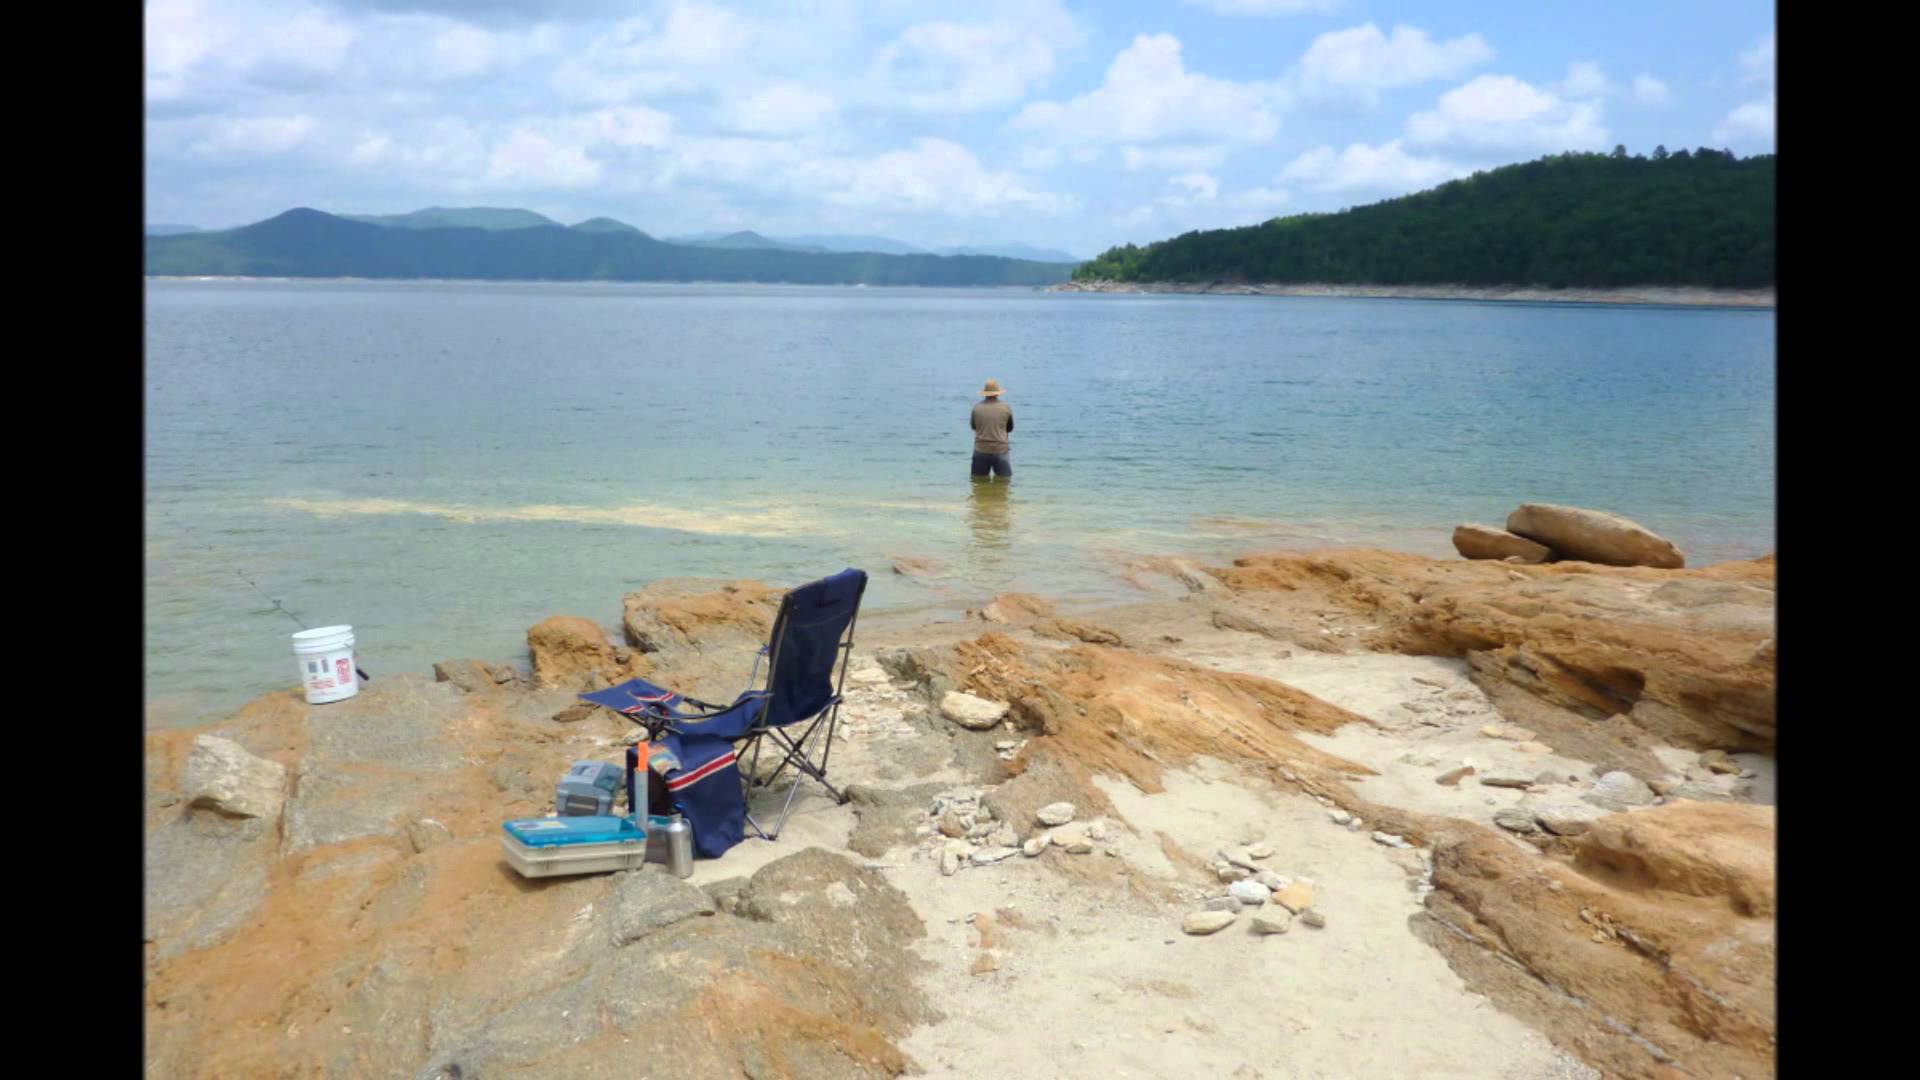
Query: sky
[{"x": 1068, "y": 125}]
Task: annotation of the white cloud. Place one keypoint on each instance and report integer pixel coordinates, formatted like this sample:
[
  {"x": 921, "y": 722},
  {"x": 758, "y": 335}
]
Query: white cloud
[
  {"x": 1502, "y": 113},
  {"x": 253, "y": 136},
  {"x": 936, "y": 174},
  {"x": 968, "y": 66},
  {"x": 200, "y": 49},
  {"x": 1198, "y": 184},
  {"x": 1752, "y": 123},
  {"x": 532, "y": 159},
  {"x": 1648, "y": 90},
  {"x": 1365, "y": 61},
  {"x": 1267, "y": 7},
  {"x": 1586, "y": 80},
  {"x": 1137, "y": 158},
  {"x": 1261, "y": 199},
  {"x": 1386, "y": 168},
  {"x": 782, "y": 109},
  {"x": 1149, "y": 96},
  {"x": 1757, "y": 64},
  {"x": 642, "y": 57}
]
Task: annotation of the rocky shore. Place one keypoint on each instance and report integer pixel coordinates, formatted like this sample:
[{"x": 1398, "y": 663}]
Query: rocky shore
[
  {"x": 1639, "y": 294},
  {"x": 1342, "y": 813}
]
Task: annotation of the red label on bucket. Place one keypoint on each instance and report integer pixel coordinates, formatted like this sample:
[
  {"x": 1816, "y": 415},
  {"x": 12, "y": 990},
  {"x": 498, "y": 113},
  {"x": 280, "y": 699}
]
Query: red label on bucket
[{"x": 342, "y": 670}]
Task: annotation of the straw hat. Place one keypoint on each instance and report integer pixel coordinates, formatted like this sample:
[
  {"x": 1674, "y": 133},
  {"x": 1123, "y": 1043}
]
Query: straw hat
[{"x": 992, "y": 389}]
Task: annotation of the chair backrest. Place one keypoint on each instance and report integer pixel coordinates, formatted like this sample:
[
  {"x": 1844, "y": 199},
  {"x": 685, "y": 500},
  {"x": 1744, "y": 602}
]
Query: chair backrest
[{"x": 805, "y": 664}]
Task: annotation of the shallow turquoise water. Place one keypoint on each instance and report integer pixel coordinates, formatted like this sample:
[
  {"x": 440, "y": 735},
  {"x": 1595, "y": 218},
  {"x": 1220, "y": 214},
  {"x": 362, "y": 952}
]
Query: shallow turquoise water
[{"x": 442, "y": 465}]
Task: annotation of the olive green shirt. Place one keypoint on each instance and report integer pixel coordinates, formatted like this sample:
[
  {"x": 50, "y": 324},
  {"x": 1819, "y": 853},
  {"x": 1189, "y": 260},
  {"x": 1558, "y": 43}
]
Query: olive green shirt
[{"x": 992, "y": 422}]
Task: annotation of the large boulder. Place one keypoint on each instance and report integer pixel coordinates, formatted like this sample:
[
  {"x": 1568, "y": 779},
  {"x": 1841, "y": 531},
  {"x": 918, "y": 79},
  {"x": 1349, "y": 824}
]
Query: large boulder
[
  {"x": 1487, "y": 542},
  {"x": 675, "y": 614},
  {"x": 1592, "y": 536},
  {"x": 221, "y": 775},
  {"x": 573, "y": 653},
  {"x": 650, "y": 899}
]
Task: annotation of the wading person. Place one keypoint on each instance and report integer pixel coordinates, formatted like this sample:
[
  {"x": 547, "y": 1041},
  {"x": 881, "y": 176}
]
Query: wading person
[{"x": 992, "y": 422}]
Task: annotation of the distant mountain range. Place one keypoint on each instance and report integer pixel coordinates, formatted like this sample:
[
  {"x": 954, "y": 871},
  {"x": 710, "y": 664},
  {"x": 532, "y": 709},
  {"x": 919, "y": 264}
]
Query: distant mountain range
[
  {"x": 481, "y": 243},
  {"x": 501, "y": 219}
]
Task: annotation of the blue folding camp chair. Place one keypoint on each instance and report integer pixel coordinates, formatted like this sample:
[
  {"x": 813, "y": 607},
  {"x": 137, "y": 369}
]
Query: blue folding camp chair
[{"x": 806, "y": 660}]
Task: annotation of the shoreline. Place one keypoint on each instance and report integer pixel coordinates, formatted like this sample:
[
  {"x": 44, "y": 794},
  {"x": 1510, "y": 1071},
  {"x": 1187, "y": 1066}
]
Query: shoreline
[
  {"x": 1653, "y": 295},
  {"x": 1387, "y": 741}
]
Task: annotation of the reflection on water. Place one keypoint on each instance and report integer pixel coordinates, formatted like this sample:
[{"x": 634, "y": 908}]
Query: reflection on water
[{"x": 989, "y": 527}]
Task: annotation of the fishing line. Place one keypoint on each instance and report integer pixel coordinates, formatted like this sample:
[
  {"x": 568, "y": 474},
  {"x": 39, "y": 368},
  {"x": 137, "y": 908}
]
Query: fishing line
[{"x": 242, "y": 575}]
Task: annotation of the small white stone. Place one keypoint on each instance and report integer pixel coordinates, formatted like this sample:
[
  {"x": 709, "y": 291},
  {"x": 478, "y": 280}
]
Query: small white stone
[
  {"x": 1207, "y": 922},
  {"x": 1260, "y": 851},
  {"x": 1055, "y": 813},
  {"x": 1250, "y": 893},
  {"x": 1340, "y": 817},
  {"x": 1097, "y": 831}
]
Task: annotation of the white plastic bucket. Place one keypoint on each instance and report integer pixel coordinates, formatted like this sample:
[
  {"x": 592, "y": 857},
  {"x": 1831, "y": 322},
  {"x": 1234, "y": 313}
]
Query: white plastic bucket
[{"x": 325, "y": 659}]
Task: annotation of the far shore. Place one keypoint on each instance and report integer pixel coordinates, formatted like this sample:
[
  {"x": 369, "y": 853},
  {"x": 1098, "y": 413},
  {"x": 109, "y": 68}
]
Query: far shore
[{"x": 1673, "y": 296}]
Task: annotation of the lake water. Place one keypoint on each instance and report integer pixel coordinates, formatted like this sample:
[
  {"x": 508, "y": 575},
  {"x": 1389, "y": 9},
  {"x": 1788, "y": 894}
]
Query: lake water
[{"x": 442, "y": 465}]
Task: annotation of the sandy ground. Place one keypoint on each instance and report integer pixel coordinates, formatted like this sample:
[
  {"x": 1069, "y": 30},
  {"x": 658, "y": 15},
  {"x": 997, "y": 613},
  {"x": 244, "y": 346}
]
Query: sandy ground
[{"x": 1094, "y": 977}]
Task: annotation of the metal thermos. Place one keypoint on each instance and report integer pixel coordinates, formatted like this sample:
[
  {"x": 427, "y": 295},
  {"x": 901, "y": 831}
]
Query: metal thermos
[{"x": 670, "y": 841}]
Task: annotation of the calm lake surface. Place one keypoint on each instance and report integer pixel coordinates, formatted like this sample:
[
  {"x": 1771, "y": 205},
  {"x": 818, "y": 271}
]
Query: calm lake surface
[{"x": 442, "y": 465}]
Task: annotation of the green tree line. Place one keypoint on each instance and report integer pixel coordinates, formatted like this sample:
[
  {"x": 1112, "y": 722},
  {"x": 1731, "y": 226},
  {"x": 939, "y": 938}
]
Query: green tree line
[{"x": 1703, "y": 217}]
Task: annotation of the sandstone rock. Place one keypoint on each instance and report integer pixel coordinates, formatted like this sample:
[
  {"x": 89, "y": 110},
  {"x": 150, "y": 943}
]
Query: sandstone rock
[
  {"x": 1565, "y": 818},
  {"x": 1078, "y": 845},
  {"x": 650, "y": 899},
  {"x": 1593, "y": 536},
  {"x": 1004, "y": 836},
  {"x": 1518, "y": 821},
  {"x": 1453, "y": 777},
  {"x": 573, "y": 714},
  {"x": 954, "y": 824},
  {"x": 1487, "y": 542},
  {"x": 222, "y": 775},
  {"x": 572, "y": 653},
  {"x": 1055, "y": 813},
  {"x": 1296, "y": 897},
  {"x": 1034, "y": 846},
  {"x": 424, "y": 833},
  {"x": 1249, "y": 893},
  {"x": 984, "y": 964},
  {"x": 1532, "y": 747},
  {"x": 1618, "y": 790},
  {"x": 1700, "y": 791},
  {"x": 1718, "y": 761},
  {"x": 683, "y": 614},
  {"x": 949, "y": 863},
  {"x": 473, "y": 676},
  {"x": 1260, "y": 851},
  {"x": 867, "y": 675},
  {"x": 1506, "y": 732},
  {"x": 973, "y": 713},
  {"x": 1272, "y": 922},
  {"x": 1231, "y": 873},
  {"x": 1312, "y": 917},
  {"x": 1208, "y": 922},
  {"x": 502, "y": 673}
]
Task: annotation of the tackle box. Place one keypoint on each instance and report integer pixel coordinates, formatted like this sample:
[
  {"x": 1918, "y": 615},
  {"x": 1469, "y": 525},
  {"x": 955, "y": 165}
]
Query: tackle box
[{"x": 549, "y": 847}]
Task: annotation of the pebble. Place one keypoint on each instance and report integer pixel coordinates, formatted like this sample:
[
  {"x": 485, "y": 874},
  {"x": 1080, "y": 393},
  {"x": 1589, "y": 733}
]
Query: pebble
[
  {"x": 1505, "y": 779},
  {"x": 1313, "y": 918},
  {"x": 1454, "y": 776},
  {"x": 1233, "y": 873},
  {"x": 1221, "y": 903},
  {"x": 1274, "y": 882},
  {"x": 1250, "y": 893},
  {"x": 1055, "y": 813},
  {"x": 1340, "y": 817},
  {"x": 1388, "y": 839},
  {"x": 1260, "y": 851},
  {"x": 1296, "y": 897},
  {"x": 949, "y": 864},
  {"x": 1097, "y": 831},
  {"x": 1518, "y": 821},
  {"x": 1272, "y": 922},
  {"x": 1208, "y": 922},
  {"x": 989, "y": 855},
  {"x": 1034, "y": 846},
  {"x": 1356, "y": 825},
  {"x": 1079, "y": 845},
  {"x": 1004, "y": 836}
]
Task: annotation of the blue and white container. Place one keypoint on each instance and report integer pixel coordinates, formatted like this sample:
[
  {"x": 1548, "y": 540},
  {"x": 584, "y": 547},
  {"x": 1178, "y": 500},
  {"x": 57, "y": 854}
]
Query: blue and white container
[{"x": 557, "y": 846}]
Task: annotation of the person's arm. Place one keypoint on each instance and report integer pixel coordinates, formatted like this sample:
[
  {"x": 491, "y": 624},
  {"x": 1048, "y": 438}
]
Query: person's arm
[
  {"x": 973, "y": 420},
  {"x": 1009, "y": 421}
]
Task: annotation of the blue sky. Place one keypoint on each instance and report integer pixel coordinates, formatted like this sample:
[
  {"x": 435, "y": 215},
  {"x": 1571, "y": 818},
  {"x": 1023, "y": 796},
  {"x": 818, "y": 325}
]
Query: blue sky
[{"x": 1069, "y": 125}]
